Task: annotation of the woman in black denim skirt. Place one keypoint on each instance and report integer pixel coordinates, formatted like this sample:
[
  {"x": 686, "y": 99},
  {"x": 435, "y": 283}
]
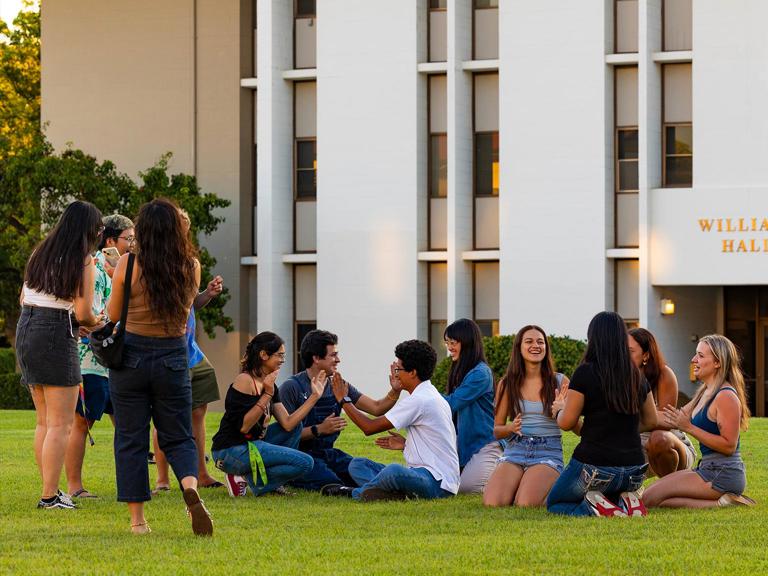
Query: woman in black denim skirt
[
  {"x": 57, "y": 296},
  {"x": 154, "y": 381}
]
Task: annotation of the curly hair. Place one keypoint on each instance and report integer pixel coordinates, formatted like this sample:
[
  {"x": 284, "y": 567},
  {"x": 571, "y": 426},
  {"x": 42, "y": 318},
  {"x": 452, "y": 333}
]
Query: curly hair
[
  {"x": 251, "y": 362},
  {"x": 57, "y": 263},
  {"x": 417, "y": 355},
  {"x": 167, "y": 258}
]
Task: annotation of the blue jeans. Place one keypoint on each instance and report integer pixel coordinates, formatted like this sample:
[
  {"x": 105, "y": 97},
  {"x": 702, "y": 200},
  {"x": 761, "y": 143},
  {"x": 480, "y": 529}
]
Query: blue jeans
[
  {"x": 282, "y": 461},
  {"x": 330, "y": 466},
  {"x": 152, "y": 384},
  {"x": 417, "y": 482},
  {"x": 567, "y": 494}
]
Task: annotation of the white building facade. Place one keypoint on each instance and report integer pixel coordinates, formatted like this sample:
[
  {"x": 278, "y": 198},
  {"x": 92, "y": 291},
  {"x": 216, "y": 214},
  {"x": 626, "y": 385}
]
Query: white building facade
[{"x": 394, "y": 166}]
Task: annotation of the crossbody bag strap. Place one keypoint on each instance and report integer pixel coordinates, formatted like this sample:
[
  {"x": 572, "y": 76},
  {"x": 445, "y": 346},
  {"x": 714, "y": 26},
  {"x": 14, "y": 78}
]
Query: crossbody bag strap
[{"x": 127, "y": 291}]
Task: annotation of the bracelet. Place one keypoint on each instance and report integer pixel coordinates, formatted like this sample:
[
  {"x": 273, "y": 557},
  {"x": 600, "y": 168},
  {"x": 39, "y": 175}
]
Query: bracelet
[
  {"x": 557, "y": 414},
  {"x": 267, "y": 394},
  {"x": 263, "y": 408},
  {"x": 392, "y": 395}
]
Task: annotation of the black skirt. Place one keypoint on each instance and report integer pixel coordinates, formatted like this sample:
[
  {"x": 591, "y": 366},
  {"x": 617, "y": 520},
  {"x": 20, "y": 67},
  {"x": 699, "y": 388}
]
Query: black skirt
[{"x": 46, "y": 347}]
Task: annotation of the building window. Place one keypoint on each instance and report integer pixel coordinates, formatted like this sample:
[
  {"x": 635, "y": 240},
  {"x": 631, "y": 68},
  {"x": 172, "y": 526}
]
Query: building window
[
  {"x": 627, "y": 291},
  {"x": 306, "y": 168},
  {"x": 486, "y": 297},
  {"x": 485, "y": 42},
  {"x": 678, "y": 127},
  {"x": 304, "y": 34},
  {"x": 437, "y": 179},
  {"x": 678, "y": 25},
  {"x": 625, "y": 22},
  {"x": 437, "y": 31},
  {"x": 438, "y": 303},
  {"x": 626, "y": 157},
  {"x": 304, "y": 307},
  {"x": 486, "y": 161},
  {"x": 254, "y": 181}
]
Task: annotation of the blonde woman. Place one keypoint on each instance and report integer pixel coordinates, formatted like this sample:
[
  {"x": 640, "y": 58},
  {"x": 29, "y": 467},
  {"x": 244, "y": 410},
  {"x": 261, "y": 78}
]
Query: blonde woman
[{"x": 714, "y": 417}]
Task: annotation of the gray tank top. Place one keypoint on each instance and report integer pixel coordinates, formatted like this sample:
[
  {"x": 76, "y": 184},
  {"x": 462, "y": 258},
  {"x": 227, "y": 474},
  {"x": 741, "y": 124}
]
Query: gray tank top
[{"x": 535, "y": 422}]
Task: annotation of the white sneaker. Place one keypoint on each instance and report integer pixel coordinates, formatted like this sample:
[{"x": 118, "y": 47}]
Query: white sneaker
[{"x": 236, "y": 485}]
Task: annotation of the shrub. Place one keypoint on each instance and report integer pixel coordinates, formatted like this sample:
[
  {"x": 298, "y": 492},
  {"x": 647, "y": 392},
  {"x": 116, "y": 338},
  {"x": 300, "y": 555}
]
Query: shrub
[
  {"x": 14, "y": 396},
  {"x": 566, "y": 353},
  {"x": 7, "y": 360}
]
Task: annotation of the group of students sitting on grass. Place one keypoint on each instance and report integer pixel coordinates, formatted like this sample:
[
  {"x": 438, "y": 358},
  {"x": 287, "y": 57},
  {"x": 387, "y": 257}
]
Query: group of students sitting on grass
[{"x": 503, "y": 441}]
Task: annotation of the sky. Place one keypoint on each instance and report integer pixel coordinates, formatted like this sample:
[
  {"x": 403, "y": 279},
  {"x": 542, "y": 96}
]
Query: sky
[{"x": 9, "y": 9}]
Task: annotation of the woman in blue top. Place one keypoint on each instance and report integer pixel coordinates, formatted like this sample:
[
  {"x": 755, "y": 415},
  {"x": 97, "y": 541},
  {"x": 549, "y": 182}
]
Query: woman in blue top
[
  {"x": 533, "y": 458},
  {"x": 470, "y": 396},
  {"x": 713, "y": 417}
]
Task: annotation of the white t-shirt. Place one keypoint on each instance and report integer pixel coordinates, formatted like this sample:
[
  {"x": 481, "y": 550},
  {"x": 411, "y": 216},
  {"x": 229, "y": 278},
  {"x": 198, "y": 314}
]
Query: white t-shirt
[{"x": 431, "y": 440}]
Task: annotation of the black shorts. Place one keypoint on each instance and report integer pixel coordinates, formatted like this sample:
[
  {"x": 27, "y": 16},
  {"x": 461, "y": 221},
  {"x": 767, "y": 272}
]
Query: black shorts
[{"x": 46, "y": 347}]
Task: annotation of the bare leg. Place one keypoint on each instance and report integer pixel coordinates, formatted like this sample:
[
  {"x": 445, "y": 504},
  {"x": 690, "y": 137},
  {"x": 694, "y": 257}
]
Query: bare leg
[
  {"x": 75, "y": 454},
  {"x": 198, "y": 431},
  {"x": 60, "y": 411},
  {"x": 503, "y": 484},
  {"x": 38, "y": 398},
  {"x": 535, "y": 485},
  {"x": 682, "y": 489},
  {"x": 161, "y": 462},
  {"x": 666, "y": 453}
]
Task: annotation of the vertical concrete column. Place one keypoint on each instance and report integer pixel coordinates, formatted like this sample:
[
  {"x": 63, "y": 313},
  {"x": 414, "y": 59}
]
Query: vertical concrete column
[
  {"x": 460, "y": 207},
  {"x": 649, "y": 145},
  {"x": 274, "y": 110}
]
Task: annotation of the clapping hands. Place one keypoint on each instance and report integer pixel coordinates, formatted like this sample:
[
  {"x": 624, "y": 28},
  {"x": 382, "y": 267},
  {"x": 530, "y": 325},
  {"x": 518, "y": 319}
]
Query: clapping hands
[
  {"x": 339, "y": 387},
  {"x": 675, "y": 418},
  {"x": 392, "y": 442},
  {"x": 559, "y": 402},
  {"x": 318, "y": 384}
]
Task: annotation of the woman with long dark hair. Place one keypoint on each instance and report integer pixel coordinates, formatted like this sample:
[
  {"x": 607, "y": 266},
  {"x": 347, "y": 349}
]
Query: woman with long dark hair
[
  {"x": 714, "y": 417},
  {"x": 666, "y": 450},
  {"x": 154, "y": 380},
  {"x": 246, "y": 445},
  {"x": 470, "y": 395},
  {"x": 533, "y": 458},
  {"x": 608, "y": 391},
  {"x": 56, "y": 297}
]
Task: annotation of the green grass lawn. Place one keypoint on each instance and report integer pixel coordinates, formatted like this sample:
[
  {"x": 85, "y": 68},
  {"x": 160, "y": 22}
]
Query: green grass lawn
[{"x": 308, "y": 534}]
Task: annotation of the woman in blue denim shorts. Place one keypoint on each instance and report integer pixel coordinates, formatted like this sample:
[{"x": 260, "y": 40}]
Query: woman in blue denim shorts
[
  {"x": 607, "y": 390},
  {"x": 533, "y": 458},
  {"x": 714, "y": 417}
]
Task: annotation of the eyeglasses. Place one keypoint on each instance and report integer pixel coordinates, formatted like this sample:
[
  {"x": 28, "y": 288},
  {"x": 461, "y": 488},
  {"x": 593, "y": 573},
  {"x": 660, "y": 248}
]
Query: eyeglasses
[
  {"x": 100, "y": 231},
  {"x": 280, "y": 355},
  {"x": 399, "y": 369},
  {"x": 128, "y": 239}
]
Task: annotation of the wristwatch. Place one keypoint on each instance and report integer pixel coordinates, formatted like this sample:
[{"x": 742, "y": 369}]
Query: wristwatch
[
  {"x": 345, "y": 400},
  {"x": 315, "y": 432}
]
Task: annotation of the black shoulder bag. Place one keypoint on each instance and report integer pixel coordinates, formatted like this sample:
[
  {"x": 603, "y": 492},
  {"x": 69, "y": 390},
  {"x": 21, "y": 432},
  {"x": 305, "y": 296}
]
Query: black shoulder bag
[{"x": 107, "y": 343}]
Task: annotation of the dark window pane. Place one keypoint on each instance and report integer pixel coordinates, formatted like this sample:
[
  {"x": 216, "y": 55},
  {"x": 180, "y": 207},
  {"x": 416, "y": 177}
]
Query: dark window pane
[
  {"x": 305, "y": 8},
  {"x": 764, "y": 302},
  {"x": 628, "y": 179},
  {"x": 679, "y": 171},
  {"x": 486, "y": 3},
  {"x": 302, "y": 328},
  {"x": 488, "y": 327},
  {"x": 679, "y": 140},
  {"x": 627, "y": 144},
  {"x": 305, "y": 154},
  {"x": 487, "y": 164},
  {"x": 306, "y": 184},
  {"x": 433, "y": 4},
  {"x": 438, "y": 166}
]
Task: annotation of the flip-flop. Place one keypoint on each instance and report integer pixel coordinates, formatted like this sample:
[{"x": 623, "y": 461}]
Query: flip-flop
[
  {"x": 214, "y": 484},
  {"x": 82, "y": 493},
  {"x": 159, "y": 489}
]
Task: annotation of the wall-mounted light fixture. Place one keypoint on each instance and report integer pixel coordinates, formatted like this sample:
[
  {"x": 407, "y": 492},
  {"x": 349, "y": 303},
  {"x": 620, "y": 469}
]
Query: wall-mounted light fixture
[{"x": 667, "y": 306}]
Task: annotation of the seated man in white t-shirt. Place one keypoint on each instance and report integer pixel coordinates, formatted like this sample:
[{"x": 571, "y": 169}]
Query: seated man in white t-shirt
[{"x": 432, "y": 469}]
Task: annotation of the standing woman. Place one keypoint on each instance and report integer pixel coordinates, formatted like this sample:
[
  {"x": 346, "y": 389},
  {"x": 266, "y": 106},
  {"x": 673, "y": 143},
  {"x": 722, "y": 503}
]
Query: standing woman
[
  {"x": 470, "y": 396},
  {"x": 154, "y": 380},
  {"x": 667, "y": 450},
  {"x": 608, "y": 391},
  {"x": 714, "y": 417},
  {"x": 56, "y": 297},
  {"x": 533, "y": 458}
]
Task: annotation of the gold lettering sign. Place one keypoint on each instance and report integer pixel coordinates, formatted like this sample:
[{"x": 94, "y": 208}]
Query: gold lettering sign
[{"x": 739, "y": 233}]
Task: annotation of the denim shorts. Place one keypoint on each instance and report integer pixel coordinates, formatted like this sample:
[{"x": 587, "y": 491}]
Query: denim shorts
[
  {"x": 726, "y": 473},
  {"x": 96, "y": 392},
  {"x": 527, "y": 451},
  {"x": 46, "y": 347}
]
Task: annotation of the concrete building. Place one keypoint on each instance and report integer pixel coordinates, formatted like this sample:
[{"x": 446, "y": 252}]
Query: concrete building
[{"x": 395, "y": 165}]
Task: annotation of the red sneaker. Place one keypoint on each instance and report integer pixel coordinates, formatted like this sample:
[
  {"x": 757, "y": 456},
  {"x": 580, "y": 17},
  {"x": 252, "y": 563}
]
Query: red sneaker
[
  {"x": 632, "y": 504},
  {"x": 601, "y": 506},
  {"x": 236, "y": 485}
]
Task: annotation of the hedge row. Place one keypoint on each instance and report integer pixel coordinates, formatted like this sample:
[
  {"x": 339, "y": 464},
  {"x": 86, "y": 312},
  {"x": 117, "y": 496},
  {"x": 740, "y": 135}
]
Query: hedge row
[
  {"x": 7, "y": 360},
  {"x": 566, "y": 353},
  {"x": 13, "y": 396}
]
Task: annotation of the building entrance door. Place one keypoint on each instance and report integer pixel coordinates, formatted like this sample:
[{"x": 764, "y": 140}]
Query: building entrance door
[{"x": 762, "y": 368}]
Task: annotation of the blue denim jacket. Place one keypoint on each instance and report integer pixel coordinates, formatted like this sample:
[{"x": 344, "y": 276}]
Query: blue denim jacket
[{"x": 472, "y": 405}]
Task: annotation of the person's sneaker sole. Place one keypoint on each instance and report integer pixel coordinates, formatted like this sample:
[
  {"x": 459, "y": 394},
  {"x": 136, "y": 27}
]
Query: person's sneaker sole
[
  {"x": 379, "y": 495},
  {"x": 235, "y": 488},
  {"x": 633, "y": 505},
  {"x": 729, "y": 499},
  {"x": 601, "y": 506},
  {"x": 201, "y": 520},
  {"x": 57, "y": 503},
  {"x": 336, "y": 491}
]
